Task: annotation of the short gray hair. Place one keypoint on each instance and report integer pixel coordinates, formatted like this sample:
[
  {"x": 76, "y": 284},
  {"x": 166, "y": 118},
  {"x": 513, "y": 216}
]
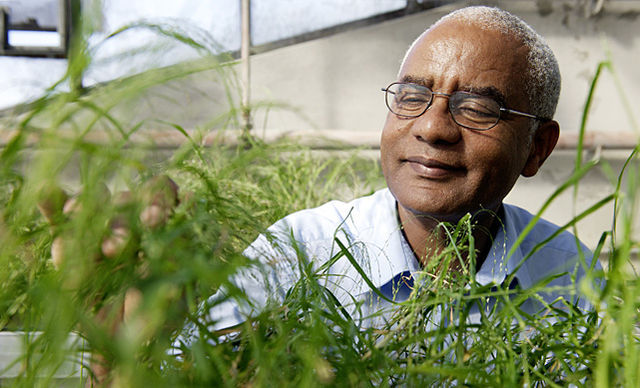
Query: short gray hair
[{"x": 543, "y": 79}]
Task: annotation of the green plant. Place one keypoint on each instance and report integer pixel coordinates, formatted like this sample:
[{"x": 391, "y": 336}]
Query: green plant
[{"x": 235, "y": 192}]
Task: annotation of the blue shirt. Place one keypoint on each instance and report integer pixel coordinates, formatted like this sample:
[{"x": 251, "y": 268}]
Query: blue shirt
[{"x": 369, "y": 227}]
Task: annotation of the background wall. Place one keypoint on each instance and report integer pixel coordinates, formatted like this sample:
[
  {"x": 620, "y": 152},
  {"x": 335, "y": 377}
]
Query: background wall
[
  {"x": 331, "y": 87},
  {"x": 335, "y": 83}
]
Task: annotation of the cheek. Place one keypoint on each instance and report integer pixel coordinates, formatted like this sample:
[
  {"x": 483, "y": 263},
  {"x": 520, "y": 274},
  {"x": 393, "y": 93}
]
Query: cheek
[
  {"x": 395, "y": 130},
  {"x": 497, "y": 163},
  {"x": 389, "y": 143}
]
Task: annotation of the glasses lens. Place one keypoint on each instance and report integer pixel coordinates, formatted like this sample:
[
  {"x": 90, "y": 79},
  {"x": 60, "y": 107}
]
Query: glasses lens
[
  {"x": 474, "y": 111},
  {"x": 408, "y": 100}
]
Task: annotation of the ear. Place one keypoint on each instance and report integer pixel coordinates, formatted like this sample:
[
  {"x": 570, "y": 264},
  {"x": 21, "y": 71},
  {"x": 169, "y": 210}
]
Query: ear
[{"x": 543, "y": 142}]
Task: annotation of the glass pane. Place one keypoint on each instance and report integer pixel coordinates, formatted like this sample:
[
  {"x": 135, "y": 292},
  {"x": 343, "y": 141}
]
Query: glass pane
[
  {"x": 34, "y": 38},
  {"x": 43, "y": 13},
  {"x": 33, "y": 22},
  {"x": 280, "y": 19}
]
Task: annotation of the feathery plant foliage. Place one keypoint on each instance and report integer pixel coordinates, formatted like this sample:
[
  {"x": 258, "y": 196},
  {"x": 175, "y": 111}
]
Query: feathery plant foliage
[{"x": 228, "y": 196}]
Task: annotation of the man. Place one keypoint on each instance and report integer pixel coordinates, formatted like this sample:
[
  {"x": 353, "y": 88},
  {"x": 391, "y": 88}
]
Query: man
[{"x": 470, "y": 111}]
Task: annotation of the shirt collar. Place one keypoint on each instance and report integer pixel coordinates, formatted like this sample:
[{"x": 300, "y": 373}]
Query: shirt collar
[
  {"x": 399, "y": 256},
  {"x": 496, "y": 265}
]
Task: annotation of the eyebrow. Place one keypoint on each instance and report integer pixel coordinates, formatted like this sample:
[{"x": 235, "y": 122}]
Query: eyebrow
[
  {"x": 488, "y": 91},
  {"x": 428, "y": 82}
]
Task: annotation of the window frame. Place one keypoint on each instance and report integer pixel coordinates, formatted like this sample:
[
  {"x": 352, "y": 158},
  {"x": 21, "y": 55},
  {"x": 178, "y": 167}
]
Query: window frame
[{"x": 63, "y": 29}]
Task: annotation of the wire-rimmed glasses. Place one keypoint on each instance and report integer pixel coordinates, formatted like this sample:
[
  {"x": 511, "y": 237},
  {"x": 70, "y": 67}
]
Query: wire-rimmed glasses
[{"x": 469, "y": 110}]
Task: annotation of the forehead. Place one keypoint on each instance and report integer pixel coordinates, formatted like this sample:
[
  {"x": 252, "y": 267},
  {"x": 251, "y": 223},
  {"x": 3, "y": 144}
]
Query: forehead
[{"x": 458, "y": 56}]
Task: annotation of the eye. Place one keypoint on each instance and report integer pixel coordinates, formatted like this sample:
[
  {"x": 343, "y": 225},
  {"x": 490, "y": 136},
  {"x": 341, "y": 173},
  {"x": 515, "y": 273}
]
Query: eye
[
  {"x": 411, "y": 99},
  {"x": 474, "y": 108},
  {"x": 407, "y": 99}
]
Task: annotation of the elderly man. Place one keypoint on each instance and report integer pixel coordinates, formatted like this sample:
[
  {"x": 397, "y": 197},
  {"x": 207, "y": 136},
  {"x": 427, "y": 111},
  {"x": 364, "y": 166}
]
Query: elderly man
[{"x": 470, "y": 111}]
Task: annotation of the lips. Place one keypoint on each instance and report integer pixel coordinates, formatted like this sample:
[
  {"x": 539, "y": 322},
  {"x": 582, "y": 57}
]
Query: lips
[{"x": 433, "y": 168}]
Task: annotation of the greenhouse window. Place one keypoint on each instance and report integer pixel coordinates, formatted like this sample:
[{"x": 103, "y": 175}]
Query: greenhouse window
[{"x": 35, "y": 28}]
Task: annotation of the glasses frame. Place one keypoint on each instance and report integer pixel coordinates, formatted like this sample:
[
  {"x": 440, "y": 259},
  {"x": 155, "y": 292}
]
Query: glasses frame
[{"x": 447, "y": 95}]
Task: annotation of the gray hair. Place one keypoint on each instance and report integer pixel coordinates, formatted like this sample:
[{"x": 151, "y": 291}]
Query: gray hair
[{"x": 542, "y": 82}]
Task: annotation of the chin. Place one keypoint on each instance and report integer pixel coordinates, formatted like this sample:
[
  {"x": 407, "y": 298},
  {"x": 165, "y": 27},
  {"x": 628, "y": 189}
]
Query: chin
[
  {"x": 440, "y": 216},
  {"x": 450, "y": 214}
]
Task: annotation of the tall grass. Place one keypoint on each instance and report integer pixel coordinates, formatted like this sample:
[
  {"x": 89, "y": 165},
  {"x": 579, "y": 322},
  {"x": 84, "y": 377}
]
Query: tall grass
[{"x": 230, "y": 194}]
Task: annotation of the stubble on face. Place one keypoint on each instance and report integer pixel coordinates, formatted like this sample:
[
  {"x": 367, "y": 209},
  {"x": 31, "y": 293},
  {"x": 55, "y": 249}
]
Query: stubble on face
[
  {"x": 436, "y": 169},
  {"x": 439, "y": 171}
]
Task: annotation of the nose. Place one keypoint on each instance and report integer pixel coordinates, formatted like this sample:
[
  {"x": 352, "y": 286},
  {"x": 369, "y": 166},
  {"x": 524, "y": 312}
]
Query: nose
[{"x": 436, "y": 126}]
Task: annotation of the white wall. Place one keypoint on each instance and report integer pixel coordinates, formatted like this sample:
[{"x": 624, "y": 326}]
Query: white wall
[
  {"x": 335, "y": 82},
  {"x": 215, "y": 22}
]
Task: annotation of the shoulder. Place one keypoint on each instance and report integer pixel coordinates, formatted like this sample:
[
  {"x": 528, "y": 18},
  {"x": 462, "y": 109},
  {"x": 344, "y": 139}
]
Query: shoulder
[
  {"x": 543, "y": 231},
  {"x": 312, "y": 232},
  {"x": 325, "y": 220},
  {"x": 549, "y": 248}
]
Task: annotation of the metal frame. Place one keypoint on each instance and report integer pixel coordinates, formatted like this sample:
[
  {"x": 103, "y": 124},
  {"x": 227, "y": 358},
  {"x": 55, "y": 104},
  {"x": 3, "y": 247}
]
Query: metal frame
[{"x": 64, "y": 29}]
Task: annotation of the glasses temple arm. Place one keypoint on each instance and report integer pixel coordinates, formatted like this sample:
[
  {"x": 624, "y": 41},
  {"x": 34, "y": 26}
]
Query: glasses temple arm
[{"x": 524, "y": 114}]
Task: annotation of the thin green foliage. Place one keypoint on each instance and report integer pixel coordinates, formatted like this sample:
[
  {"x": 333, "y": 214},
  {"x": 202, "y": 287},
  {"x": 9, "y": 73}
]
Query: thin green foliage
[{"x": 230, "y": 194}]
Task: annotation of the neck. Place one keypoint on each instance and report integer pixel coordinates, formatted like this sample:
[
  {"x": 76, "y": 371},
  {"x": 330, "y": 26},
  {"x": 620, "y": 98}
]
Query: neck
[{"x": 427, "y": 237}]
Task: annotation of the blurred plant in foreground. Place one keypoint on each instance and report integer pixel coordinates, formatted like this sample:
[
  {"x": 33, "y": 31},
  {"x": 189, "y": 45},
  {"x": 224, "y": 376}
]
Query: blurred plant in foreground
[{"x": 101, "y": 252}]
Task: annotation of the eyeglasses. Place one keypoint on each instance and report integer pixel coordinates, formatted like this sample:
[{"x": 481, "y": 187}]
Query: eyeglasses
[{"x": 469, "y": 110}]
